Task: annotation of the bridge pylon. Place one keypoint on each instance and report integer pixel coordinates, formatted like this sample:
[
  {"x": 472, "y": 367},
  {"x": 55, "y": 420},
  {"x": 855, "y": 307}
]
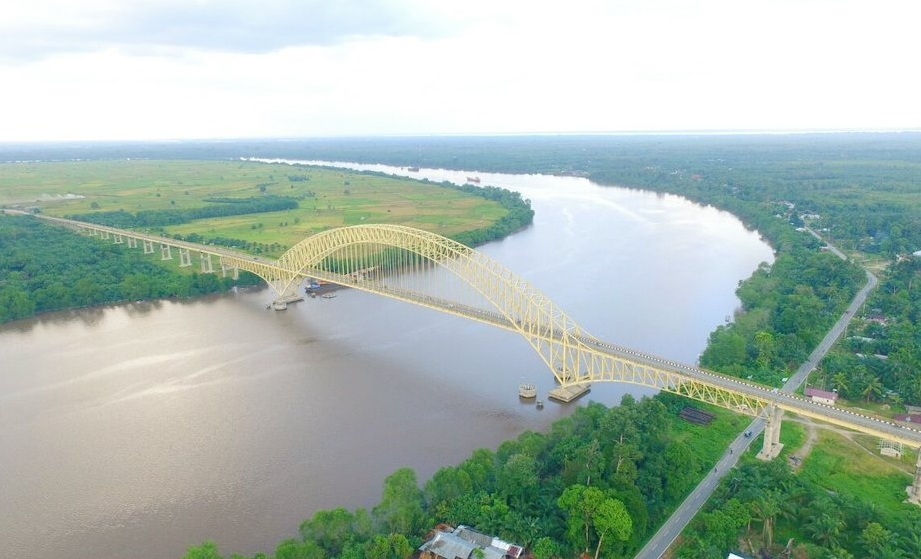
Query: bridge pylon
[
  {"x": 772, "y": 445},
  {"x": 914, "y": 490}
]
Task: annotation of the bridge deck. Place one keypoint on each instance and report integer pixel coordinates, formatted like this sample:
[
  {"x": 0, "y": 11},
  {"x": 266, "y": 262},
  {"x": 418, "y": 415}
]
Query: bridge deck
[{"x": 575, "y": 358}]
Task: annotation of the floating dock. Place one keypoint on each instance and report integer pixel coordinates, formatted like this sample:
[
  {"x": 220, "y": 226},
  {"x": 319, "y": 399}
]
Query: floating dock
[{"x": 569, "y": 393}]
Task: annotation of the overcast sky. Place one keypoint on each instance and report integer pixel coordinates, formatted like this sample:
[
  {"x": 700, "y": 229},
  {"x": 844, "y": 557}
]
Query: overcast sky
[{"x": 164, "y": 69}]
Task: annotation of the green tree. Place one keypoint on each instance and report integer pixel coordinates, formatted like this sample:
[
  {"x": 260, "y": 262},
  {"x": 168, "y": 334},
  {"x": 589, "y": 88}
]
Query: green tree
[
  {"x": 400, "y": 546},
  {"x": 517, "y": 479},
  {"x": 378, "y": 548},
  {"x": 873, "y": 389},
  {"x": 400, "y": 508},
  {"x": 764, "y": 342},
  {"x": 825, "y": 528},
  {"x": 207, "y": 550},
  {"x": 764, "y": 509},
  {"x": 330, "y": 529},
  {"x": 839, "y": 382},
  {"x": 293, "y": 549},
  {"x": 611, "y": 517},
  {"x": 874, "y": 538},
  {"x": 580, "y": 503},
  {"x": 545, "y": 548}
]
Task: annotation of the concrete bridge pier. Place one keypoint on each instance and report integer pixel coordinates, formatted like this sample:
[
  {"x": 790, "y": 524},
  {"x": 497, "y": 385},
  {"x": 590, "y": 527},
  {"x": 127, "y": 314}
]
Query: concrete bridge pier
[
  {"x": 206, "y": 266},
  {"x": 914, "y": 490},
  {"x": 771, "y": 447},
  {"x": 185, "y": 257},
  {"x": 235, "y": 272},
  {"x": 288, "y": 292}
]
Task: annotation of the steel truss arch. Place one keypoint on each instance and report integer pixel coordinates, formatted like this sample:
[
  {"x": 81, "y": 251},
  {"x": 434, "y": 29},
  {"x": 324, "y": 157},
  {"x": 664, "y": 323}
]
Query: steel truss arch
[{"x": 519, "y": 306}]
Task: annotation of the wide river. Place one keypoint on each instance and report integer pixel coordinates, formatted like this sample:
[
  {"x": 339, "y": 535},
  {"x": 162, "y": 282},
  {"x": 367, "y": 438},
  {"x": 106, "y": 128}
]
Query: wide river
[{"x": 137, "y": 430}]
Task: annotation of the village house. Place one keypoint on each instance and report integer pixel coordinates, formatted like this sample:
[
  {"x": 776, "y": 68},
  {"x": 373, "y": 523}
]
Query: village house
[
  {"x": 462, "y": 543},
  {"x": 821, "y": 396}
]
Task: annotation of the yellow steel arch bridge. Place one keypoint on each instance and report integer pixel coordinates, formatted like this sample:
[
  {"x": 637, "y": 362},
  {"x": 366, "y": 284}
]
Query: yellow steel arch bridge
[{"x": 427, "y": 269}]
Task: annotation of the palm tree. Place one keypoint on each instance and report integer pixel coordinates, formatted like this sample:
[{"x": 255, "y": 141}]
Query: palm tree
[
  {"x": 764, "y": 509},
  {"x": 825, "y": 528},
  {"x": 889, "y": 552},
  {"x": 873, "y": 388},
  {"x": 839, "y": 381},
  {"x": 913, "y": 542}
]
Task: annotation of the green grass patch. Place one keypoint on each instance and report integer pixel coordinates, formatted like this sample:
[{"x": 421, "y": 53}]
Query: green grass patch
[
  {"x": 840, "y": 465},
  {"x": 709, "y": 442},
  {"x": 792, "y": 436},
  {"x": 327, "y": 198}
]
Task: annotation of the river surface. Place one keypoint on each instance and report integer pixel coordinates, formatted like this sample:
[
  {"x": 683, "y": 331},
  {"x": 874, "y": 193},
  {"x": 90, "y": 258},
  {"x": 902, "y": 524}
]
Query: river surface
[{"x": 135, "y": 431}]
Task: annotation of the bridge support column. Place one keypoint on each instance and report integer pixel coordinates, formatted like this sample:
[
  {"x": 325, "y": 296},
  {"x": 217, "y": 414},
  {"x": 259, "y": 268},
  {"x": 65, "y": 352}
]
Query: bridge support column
[
  {"x": 132, "y": 242},
  {"x": 206, "y": 267},
  {"x": 118, "y": 239},
  {"x": 104, "y": 235},
  {"x": 772, "y": 446},
  {"x": 165, "y": 252},
  {"x": 914, "y": 490},
  {"x": 234, "y": 270},
  {"x": 185, "y": 257},
  {"x": 148, "y": 247}
]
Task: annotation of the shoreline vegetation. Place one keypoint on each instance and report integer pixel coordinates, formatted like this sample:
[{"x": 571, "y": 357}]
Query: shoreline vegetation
[{"x": 860, "y": 191}]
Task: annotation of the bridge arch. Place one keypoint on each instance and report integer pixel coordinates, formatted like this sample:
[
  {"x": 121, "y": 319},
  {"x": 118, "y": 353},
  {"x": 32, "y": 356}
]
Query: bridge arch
[{"x": 517, "y": 304}]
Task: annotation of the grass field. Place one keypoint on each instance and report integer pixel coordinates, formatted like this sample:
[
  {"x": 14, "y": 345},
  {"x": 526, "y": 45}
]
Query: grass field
[
  {"x": 840, "y": 465},
  {"x": 709, "y": 442},
  {"x": 327, "y": 198}
]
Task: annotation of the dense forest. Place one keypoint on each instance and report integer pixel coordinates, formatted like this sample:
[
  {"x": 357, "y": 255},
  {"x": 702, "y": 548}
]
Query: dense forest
[
  {"x": 45, "y": 268},
  {"x": 600, "y": 481}
]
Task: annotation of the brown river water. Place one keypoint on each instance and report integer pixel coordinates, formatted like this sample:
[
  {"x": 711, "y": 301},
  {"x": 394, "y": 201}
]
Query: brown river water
[{"x": 135, "y": 431}]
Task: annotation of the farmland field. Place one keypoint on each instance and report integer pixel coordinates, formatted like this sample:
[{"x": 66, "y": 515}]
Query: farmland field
[{"x": 326, "y": 198}]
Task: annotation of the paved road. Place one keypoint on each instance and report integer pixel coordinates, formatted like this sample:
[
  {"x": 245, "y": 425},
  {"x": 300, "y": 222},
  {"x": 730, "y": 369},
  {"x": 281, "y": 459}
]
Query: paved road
[{"x": 660, "y": 542}]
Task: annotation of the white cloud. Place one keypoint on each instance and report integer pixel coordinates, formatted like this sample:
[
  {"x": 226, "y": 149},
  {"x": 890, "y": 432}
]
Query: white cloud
[{"x": 478, "y": 66}]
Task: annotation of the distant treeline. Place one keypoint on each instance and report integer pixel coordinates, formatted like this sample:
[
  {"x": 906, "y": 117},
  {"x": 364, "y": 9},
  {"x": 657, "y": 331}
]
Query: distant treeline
[
  {"x": 45, "y": 268},
  {"x": 220, "y": 207}
]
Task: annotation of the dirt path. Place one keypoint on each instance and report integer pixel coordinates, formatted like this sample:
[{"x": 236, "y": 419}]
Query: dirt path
[
  {"x": 812, "y": 435},
  {"x": 802, "y": 452}
]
